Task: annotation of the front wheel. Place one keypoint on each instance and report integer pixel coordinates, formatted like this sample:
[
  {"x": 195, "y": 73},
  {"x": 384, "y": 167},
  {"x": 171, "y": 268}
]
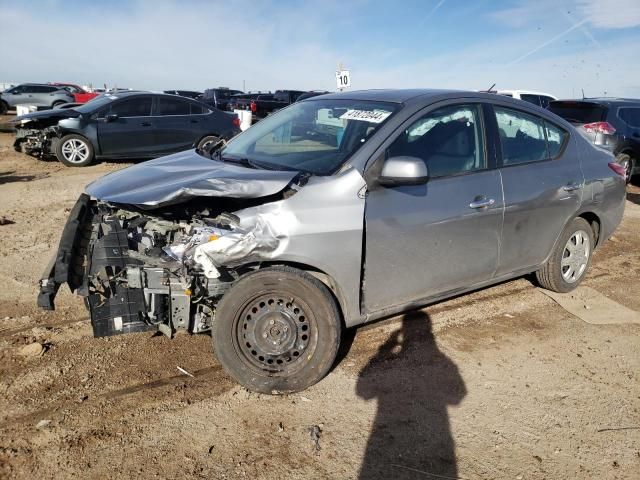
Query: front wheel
[
  {"x": 74, "y": 151},
  {"x": 277, "y": 330},
  {"x": 4, "y": 107},
  {"x": 570, "y": 259}
]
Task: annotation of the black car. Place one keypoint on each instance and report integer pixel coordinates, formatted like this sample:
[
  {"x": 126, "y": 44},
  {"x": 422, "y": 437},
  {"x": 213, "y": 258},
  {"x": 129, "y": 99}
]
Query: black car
[
  {"x": 125, "y": 125},
  {"x": 612, "y": 123},
  {"x": 218, "y": 97}
]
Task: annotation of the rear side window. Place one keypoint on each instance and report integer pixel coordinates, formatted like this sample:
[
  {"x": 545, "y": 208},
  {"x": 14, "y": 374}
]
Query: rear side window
[
  {"x": 135, "y": 107},
  {"x": 449, "y": 140},
  {"x": 173, "y": 106},
  {"x": 535, "y": 99},
  {"x": 556, "y": 137},
  {"x": 522, "y": 136},
  {"x": 544, "y": 101},
  {"x": 579, "y": 112},
  {"x": 198, "y": 109},
  {"x": 630, "y": 116}
]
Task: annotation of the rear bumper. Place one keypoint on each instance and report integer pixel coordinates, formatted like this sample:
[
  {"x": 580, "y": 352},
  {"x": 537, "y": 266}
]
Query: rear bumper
[{"x": 59, "y": 269}]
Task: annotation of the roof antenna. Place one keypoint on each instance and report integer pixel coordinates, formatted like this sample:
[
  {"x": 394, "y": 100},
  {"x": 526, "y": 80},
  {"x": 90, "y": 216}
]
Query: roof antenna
[
  {"x": 491, "y": 88},
  {"x": 582, "y": 93}
]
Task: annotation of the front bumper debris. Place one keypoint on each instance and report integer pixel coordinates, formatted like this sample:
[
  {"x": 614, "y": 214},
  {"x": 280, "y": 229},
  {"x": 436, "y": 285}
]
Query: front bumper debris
[{"x": 59, "y": 270}]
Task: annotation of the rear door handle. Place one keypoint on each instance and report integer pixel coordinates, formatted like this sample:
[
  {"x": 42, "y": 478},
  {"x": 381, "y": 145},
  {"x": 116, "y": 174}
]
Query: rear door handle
[
  {"x": 570, "y": 187},
  {"x": 193, "y": 121},
  {"x": 482, "y": 202},
  {"x": 145, "y": 124}
]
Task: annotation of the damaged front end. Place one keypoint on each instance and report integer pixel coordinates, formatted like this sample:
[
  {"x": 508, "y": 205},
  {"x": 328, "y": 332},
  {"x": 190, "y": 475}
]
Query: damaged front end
[
  {"x": 37, "y": 132},
  {"x": 162, "y": 269},
  {"x": 36, "y": 142}
]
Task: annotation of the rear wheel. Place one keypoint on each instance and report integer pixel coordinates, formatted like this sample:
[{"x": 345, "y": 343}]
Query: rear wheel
[
  {"x": 59, "y": 102},
  {"x": 570, "y": 259},
  {"x": 277, "y": 330},
  {"x": 74, "y": 151},
  {"x": 4, "y": 107},
  {"x": 208, "y": 142},
  {"x": 626, "y": 162}
]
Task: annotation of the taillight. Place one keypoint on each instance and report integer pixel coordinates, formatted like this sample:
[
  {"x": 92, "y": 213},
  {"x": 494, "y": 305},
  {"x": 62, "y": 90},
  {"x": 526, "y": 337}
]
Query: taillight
[
  {"x": 600, "y": 127},
  {"x": 619, "y": 169},
  {"x": 236, "y": 121},
  {"x": 253, "y": 107}
]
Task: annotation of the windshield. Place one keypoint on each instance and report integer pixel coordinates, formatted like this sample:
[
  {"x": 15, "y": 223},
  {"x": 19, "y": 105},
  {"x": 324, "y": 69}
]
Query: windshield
[
  {"x": 315, "y": 136},
  {"x": 95, "y": 104}
]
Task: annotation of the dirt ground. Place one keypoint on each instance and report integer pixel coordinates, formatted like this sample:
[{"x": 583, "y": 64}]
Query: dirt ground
[{"x": 501, "y": 383}]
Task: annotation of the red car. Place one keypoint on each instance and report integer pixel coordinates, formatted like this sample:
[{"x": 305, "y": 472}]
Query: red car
[{"x": 80, "y": 95}]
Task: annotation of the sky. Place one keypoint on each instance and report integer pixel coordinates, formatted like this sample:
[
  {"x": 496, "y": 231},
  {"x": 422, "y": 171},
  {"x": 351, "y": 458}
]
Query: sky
[{"x": 560, "y": 47}]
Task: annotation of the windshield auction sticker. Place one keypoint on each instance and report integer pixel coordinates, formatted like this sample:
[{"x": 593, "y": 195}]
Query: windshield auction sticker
[{"x": 378, "y": 116}]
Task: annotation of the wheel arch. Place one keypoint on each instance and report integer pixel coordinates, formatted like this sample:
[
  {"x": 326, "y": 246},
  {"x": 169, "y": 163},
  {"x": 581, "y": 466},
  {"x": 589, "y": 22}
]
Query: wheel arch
[
  {"x": 596, "y": 225},
  {"x": 326, "y": 279}
]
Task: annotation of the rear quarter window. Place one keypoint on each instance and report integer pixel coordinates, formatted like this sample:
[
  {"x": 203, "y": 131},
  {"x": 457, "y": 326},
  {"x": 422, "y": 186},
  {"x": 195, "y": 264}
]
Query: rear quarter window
[{"x": 630, "y": 116}]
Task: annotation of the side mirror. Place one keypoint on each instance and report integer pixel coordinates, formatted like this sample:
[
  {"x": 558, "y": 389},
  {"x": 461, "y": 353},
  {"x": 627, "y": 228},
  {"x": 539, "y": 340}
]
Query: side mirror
[
  {"x": 403, "y": 171},
  {"x": 112, "y": 117}
]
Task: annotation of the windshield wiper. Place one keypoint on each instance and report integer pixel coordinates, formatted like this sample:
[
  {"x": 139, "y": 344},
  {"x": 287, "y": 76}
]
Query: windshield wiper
[{"x": 245, "y": 162}]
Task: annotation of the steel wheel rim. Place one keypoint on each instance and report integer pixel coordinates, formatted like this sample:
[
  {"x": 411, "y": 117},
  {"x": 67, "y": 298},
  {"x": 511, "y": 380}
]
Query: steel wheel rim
[
  {"x": 575, "y": 256},
  {"x": 275, "y": 333},
  {"x": 75, "y": 150}
]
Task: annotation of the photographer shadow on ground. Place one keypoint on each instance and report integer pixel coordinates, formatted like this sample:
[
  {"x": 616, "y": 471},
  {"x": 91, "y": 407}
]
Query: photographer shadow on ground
[{"x": 413, "y": 383}]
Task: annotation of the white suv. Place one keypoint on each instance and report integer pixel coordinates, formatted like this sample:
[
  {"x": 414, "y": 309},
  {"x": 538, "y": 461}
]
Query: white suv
[{"x": 537, "y": 98}]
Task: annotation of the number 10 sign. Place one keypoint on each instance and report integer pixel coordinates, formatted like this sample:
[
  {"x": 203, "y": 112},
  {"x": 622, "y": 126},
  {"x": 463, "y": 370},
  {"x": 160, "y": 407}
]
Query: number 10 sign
[{"x": 343, "y": 79}]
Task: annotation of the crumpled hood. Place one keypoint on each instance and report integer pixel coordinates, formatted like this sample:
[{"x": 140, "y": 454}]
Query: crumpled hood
[
  {"x": 44, "y": 114},
  {"x": 182, "y": 176}
]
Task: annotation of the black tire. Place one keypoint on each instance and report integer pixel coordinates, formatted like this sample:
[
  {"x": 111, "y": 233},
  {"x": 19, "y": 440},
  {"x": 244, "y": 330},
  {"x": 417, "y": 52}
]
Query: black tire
[
  {"x": 277, "y": 304},
  {"x": 61, "y": 150},
  {"x": 55, "y": 104},
  {"x": 557, "y": 277},
  {"x": 4, "y": 107},
  {"x": 207, "y": 142},
  {"x": 626, "y": 161}
]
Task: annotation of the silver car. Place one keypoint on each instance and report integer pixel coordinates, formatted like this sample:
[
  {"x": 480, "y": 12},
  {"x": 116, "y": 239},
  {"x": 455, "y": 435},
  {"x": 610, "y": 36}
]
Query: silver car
[
  {"x": 333, "y": 212},
  {"x": 36, "y": 94}
]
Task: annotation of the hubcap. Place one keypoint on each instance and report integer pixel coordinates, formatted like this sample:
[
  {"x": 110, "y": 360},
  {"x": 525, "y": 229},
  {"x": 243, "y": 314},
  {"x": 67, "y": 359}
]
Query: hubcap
[
  {"x": 575, "y": 256},
  {"x": 274, "y": 332},
  {"x": 75, "y": 150}
]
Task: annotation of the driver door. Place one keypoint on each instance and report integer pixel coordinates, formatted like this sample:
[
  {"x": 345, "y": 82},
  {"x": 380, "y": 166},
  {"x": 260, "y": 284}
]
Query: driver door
[
  {"x": 131, "y": 133},
  {"x": 441, "y": 236}
]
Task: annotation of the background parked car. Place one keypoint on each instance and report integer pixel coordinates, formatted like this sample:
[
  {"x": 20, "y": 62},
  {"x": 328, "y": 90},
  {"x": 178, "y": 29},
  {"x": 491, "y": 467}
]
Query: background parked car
[
  {"x": 218, "y": 97},
  {"x": 612, "y": 123},
  {"x": 38, "y": 94},
  {"x": 311, "y": 94},
  {"x": 262, "y": 105},
  {"x": 537, "y": 98},
  {"x": 126, "y": 125},
  {"x": 184, "y": 93},
  {"x": 80, "y": 95}
]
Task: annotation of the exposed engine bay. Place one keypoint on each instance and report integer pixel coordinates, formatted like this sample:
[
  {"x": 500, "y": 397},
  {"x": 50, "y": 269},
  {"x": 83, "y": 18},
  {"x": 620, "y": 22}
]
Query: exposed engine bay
[
  {"x": 37, "y": 141},
  {"x": 163, "y": 271}
]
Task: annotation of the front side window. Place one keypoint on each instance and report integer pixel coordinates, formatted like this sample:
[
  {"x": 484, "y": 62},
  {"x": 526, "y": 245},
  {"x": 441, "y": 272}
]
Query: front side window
[
  {"x": 449, "y": 140},
  {"x": 521, "y": 136},
  {"x": 316, "y": 136},
  {"x": 135, "y": 107},
  {"x": 173, "y": 106}
]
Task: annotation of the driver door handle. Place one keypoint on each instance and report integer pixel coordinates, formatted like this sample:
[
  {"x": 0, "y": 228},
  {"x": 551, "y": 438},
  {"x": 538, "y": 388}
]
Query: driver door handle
[
  {"x": 482, "y": 202},
  {"x": 145, "y": 124}
]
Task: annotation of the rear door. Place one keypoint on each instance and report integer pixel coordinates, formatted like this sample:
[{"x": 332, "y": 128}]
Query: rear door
[
  {"x": 131, "y": 133},
  {"x": 542, "y": 182},
  {"x": 426, "y": 240},
  {"x": 175, "y": 128},
  {"x": 42, "y": 95}
]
